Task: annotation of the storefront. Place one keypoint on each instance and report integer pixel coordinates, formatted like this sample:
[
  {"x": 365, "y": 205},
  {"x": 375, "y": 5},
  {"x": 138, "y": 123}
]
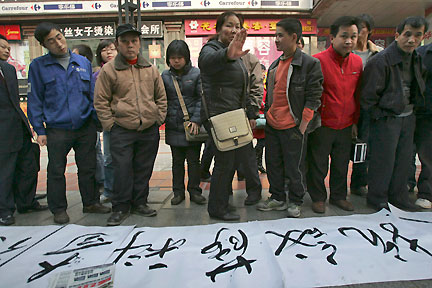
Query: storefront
[{"x": 260, "y": 38}]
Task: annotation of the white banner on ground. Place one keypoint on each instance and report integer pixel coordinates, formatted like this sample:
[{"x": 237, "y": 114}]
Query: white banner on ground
[{"x": 325, "y": 251}]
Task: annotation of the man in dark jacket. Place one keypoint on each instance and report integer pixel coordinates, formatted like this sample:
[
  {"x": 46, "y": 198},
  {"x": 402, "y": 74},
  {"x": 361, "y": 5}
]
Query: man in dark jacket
[
  {"x": 60, "y": 108},
  {"x": 339, "y": 114},
  {"x": 294, "y": 87},
  {"x": 423, "y": 134},
  {"x": 392, "y": 85},
  {"x": 18, "y": 169}
]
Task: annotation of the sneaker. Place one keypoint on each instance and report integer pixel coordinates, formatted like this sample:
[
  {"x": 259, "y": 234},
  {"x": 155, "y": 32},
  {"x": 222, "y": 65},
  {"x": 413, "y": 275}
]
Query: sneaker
[
  {"x": 177, "y": 199},
  {"x": 423, "y": 203},
  {"x": 294, "y": 210},
  {"x": 7, "y": 220},
  {"x": 61, "y": 217},
  {"x": 272, "y": 204},
  {"x": 143, "y": 210},
  {"x": 105, "y": 199}
]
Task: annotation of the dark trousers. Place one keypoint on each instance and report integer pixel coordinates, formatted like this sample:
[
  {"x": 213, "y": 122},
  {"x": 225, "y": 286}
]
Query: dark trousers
[
  {"x": 221, "y": 180},
  {"x": 322, "y": 143},
  {"x": 360, "y": 170},
  {"x": 391, "y": 142},
  {"x": 247, "y": 168},
  {"x": 285, "y": 156},
  {"x": 423, "y": 141},
  {"x": 133, "y": 154},
  {"x": 59, "y": 143},
  {"x": 18, "y": 178},
  {"x": 179, "y": 155},
  {"x": 207, "y": 157}
]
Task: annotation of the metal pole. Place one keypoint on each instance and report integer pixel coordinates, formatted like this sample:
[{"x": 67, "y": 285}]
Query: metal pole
[
  {"x": 139, "y": 23},
  {"x": 120, "y": 12}
]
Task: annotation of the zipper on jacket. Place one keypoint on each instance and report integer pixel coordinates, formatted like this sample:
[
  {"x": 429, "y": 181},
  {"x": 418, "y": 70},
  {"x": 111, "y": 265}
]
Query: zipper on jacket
[
  {"x": 136, "y": 96},
  {"x": 290, "y": 71}
]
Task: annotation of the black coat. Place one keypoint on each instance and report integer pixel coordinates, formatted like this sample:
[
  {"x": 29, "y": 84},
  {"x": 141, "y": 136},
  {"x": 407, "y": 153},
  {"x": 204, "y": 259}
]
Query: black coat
[
  {"x": 13, "y": 122},
  {"x": 190, "y": 87},
  {"x": 224, "y": 81},
  {"x": 381, "y": 86}
]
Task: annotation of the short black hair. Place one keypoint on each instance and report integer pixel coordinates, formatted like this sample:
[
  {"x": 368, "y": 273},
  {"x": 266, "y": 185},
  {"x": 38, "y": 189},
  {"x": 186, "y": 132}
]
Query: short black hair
[
  {"x": 224, "y": 16},
  {"x": 291, "y": 26},
  {"x": 344, "y": 21},
  {"x": 413, "y": 21},
  {"x": 263, "y": 67},
  {"x": 84, "y": 50},
  {"x": 301, "y": 41},
  {"x": 102, "y": 44},
  {"x": 178, "y": 48},
  {"x": 43, "y": 29},
  {"x": 3, "y": 37},
  {"x": 367, "y": 20}
]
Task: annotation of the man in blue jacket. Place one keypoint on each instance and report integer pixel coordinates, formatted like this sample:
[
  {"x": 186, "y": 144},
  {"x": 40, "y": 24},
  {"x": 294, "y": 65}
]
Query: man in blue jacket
[
  {"x": 60, "y": 108},
  {"x": 423, "y": 134}
]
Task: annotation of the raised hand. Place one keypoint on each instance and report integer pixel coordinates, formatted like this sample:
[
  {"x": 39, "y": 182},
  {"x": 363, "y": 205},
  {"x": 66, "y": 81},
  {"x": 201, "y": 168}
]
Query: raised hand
[{"x": 235, "y": 48}]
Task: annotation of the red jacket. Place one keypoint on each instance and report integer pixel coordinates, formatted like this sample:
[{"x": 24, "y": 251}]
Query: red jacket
[{"x": 340, "y": 105}]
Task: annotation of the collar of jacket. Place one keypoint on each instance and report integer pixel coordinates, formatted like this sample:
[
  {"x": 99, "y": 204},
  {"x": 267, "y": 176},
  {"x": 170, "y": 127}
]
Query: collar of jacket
[
  {"x": 120, "y": 62},
  {"x": 395, "y": 54},
  {"x": 51, "y": 59},
  {"x": 187, "y": 67},
  {"x": 336, "y": 56}
]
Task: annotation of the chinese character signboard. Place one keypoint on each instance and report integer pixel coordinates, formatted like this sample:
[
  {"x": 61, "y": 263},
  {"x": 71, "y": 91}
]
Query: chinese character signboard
[
  {"x": 253, "y": 26},
  {"x": 89, "y": 30},
  {"x": 151, "y": 29}
]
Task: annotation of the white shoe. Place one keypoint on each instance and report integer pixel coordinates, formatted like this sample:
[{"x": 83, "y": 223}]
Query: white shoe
[
  {"x": 423, "y": 203},
  {"x": 293, "y": 210}
]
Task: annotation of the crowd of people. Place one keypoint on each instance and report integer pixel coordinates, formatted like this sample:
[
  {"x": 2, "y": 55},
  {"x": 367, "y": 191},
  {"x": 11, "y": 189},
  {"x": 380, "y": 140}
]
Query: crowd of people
[{"x": 308, "y": 115}]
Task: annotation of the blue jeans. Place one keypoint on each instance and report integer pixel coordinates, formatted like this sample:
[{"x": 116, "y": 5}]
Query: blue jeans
[{"x": 109, "y": 178}]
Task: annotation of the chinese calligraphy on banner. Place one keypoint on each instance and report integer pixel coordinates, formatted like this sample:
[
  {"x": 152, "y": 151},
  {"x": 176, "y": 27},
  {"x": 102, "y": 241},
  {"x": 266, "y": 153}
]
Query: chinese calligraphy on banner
[
  {"x": 88, "y": 30},
  {"x": 336, "y": 250}
]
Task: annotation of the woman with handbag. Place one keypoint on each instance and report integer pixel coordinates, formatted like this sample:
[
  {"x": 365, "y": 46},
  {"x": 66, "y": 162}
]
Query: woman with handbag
[
  {"x": 225, "y": 80},
  {"x": 183, "y": 89}
]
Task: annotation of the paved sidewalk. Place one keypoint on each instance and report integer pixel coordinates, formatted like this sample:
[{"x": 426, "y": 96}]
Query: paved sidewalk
[{"x": 186, "y": 213}]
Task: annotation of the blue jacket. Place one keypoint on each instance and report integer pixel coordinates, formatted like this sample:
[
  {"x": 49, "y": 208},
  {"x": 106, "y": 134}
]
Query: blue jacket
[
  {"x": 190, "y": 87},
  {"x": 426, "y": 53},
  {"x": 60, "y": 99}
]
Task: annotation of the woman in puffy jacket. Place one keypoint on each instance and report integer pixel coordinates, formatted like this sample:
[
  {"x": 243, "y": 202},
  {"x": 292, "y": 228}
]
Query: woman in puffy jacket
[
  {"x": 225, "y": 80},
  {"x": 188, "y": 79}
]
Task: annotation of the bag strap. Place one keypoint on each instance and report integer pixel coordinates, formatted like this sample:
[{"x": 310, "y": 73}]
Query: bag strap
[{"x": 181, "y": 100}]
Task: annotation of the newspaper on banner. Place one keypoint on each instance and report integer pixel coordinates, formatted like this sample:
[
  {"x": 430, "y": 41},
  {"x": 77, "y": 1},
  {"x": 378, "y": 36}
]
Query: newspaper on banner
[{"x": 101, "y": 276}]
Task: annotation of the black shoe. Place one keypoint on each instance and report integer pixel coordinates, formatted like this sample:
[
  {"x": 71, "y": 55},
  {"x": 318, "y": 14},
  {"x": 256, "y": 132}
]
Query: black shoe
[
  {"x": 405, "y": 205},
  {"x": 40, "y": 196},
  {"x": 360, "y": 191},
  {"x": 96, "y": 208},
  {"x": 262, "y": 170},
  {"x": 198, "y": 199},
  {"x": 7, "y": 220},
  {"x": 177, "y": 199},
  {"x": 229, "y": 216},
  {"x": 61, "y": 217},
  {"x": 231, "y": 208},
  {"x": 143, "y": 210},
  {"x": 117, "y": 218},
  {"x": 35, "y": 208},
  {"x": 252, "y": 200},
  {"x": 378, "y": 207}
]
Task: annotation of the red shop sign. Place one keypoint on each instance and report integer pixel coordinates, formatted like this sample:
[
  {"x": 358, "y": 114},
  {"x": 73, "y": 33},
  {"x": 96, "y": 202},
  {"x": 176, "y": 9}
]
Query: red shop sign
[
  {"x": 11, "y": 32},
  {"x": 253, "y": 26}
]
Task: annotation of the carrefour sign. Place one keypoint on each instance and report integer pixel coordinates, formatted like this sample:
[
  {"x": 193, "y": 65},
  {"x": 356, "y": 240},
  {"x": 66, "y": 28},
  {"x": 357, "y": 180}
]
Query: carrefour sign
[{"x": 69, "y": 7}]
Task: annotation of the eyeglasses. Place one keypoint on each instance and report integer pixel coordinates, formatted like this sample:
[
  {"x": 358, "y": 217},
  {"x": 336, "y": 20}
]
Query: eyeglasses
[{"x": 108, "y": 49}]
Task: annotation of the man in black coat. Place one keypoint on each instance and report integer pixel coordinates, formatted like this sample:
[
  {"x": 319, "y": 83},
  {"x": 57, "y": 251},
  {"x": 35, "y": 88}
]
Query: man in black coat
[{"x": 18, "y": 169}]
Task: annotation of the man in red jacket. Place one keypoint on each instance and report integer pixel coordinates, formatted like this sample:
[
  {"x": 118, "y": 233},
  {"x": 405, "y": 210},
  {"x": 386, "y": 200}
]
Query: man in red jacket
[{"x": 339, "y": 113}]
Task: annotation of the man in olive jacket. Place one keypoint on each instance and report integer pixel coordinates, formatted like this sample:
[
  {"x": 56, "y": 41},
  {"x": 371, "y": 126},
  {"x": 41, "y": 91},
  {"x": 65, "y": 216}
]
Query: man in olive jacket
[{"x": 131, "y": 102}]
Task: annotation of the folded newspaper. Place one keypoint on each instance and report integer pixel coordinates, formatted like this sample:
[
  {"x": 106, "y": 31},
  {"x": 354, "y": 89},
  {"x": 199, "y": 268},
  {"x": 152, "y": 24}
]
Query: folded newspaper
[{"x": 101, "y": 276}]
